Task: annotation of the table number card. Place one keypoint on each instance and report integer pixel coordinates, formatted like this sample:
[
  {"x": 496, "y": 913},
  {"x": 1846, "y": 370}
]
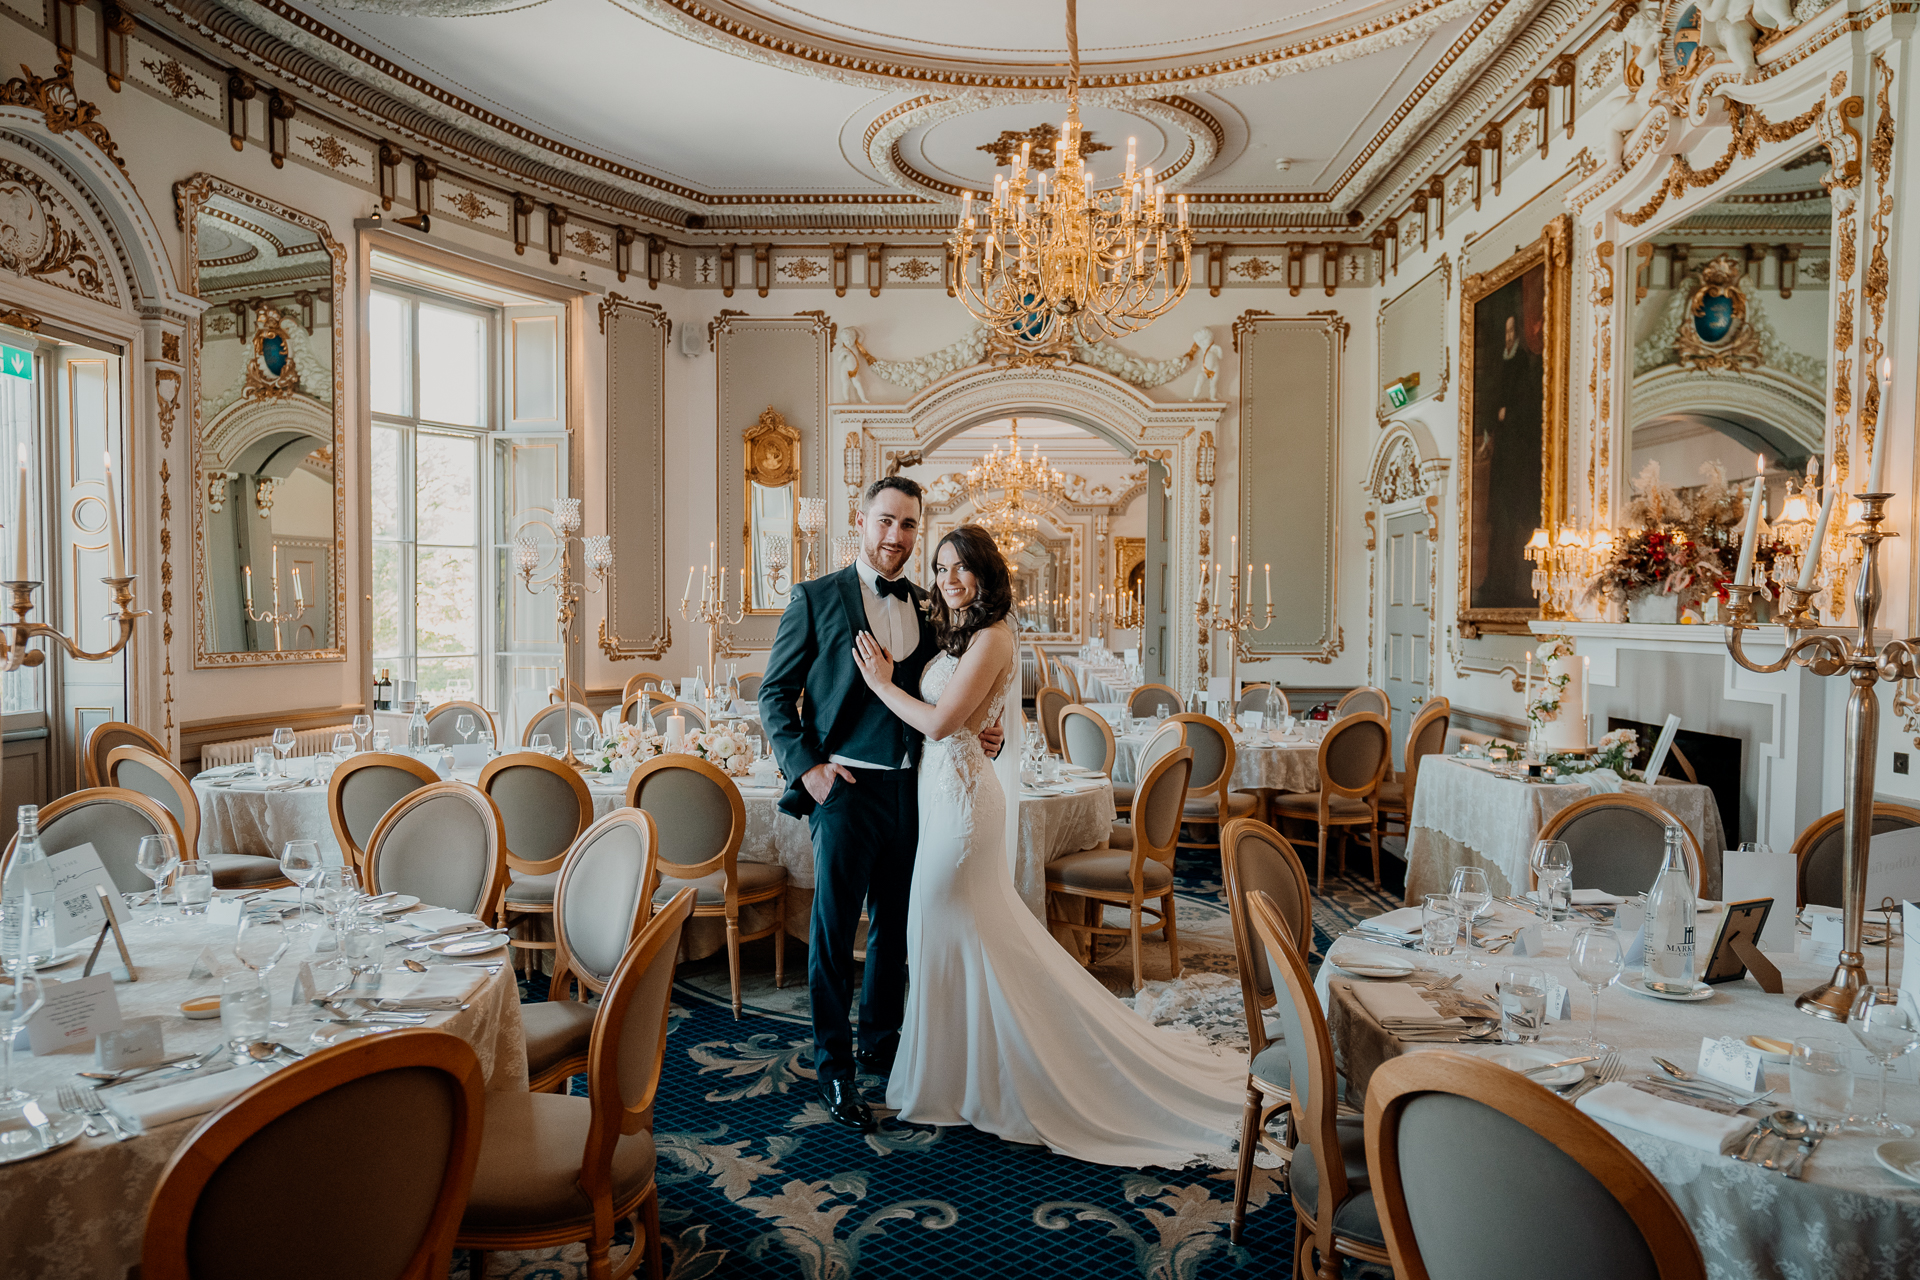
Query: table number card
[
  {"x": 1529, "y": 941},
  {"x": 77, "y": 911},
  {"x": 74, "y": 1013},
  {"x": 1727, "y": 1061},
  {"x": 224, "y": 913}
]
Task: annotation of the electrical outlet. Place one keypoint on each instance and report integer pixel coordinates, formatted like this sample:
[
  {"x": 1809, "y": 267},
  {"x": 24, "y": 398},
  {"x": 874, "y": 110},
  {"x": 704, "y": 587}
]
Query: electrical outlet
[{"x": 1899, "y": 762}]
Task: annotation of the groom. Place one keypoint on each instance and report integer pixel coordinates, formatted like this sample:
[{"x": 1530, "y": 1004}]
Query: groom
[{"x": 851, "y": 764}]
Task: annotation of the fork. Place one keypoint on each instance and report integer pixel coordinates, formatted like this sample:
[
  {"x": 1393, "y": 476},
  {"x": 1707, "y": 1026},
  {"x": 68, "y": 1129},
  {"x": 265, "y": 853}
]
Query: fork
[
  {"x": 1609, "y": 1070},
  {"x": 95, "y": 1109},
  {"x": 70, "y": 1103}
]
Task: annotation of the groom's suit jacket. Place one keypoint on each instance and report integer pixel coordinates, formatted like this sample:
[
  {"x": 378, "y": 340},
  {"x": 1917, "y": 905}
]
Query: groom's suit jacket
[{"x": 813, "y": 654}]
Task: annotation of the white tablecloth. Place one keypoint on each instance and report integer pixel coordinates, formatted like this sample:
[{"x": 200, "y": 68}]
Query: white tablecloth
[
  {"x": 1498, "y": 819},
  {"x": 1848, "y": 1218},
  {"x": 1104, "y": 683},
  {"x": 81, "y": 1210},
  {"x": 1283, "y": 766}
]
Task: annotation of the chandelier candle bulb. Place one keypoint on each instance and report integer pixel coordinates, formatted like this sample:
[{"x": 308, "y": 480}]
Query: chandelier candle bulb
[
  {"x": 113, "y": 522},
  {"x": 1743, "y": 576},
  {"x": 1810, "y": 562}
]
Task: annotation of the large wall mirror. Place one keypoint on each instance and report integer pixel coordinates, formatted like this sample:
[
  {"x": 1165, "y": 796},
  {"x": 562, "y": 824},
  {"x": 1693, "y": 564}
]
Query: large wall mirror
[
  {"x": 266, "y": 429},
  {"x": 772, "y": 452},
  {"x": 1730, "y": 330}
]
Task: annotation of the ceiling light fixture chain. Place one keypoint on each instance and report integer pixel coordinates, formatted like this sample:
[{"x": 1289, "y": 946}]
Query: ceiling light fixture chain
[{"x": 1061, "y": 260}]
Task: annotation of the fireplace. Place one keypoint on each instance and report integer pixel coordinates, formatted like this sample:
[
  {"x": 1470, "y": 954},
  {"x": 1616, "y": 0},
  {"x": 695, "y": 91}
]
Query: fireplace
[{"x": 1718, "y": 764}]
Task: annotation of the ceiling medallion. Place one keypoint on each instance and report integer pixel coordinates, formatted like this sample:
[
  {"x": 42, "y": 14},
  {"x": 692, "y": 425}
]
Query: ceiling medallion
[
  {"x": 1071, "y": 260},
  {"x": 1043, "y": 137}
]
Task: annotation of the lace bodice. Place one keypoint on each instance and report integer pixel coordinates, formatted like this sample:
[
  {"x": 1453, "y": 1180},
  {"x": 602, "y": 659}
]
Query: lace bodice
[
  {"x": 933, "y": 683},
  {"x": 965, "y": 760}
]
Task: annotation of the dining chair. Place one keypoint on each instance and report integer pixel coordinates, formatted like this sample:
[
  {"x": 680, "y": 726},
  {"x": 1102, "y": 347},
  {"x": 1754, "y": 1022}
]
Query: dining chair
[
  {"x": 552, "y": 721},
  {"x": 1269, "y": 700},
  {"x": 382, "y": 1135},
  {"x": 1353, "y": 759},
  {"x": 1041, "y": 676},
  {"x": 103, "y": 738},
  {"x": 695, "y": 717},
  {"x": 555, "y": 1169},
  {"x": 1047, "y": 706},
  {"x": 601, "y": 902},
  {"x": 1334, "y": 1214},
  {"x": 1170, "y": 736},
  {"x": 564, "y": 691},
  {"x": 1618, "y": 842},
  {"x": 637, "y": 707},
  {"x": 442, "y": 719},
  {"x": 700, "y": 820},
  {"x": 1065, "y": 680},
  {"x": 154, "y": 776},
  {"x": 637, "y": 681},
  {"x": 544, "y": 806},
  {"x": 1086, "y": 739},
  {"x": 1154, "y": 699},
  {"x": 1819, "y": 852},
  {"x": 750, "y": 686},
  {"x": 1426, "y": 736},
  {"x": 1529, "y": 1157},
  {"x": 1210, "y": 802},
  {"x": 111, "y": 819},
  {"x": 443, "y": 844},
  {"x": 362, "y": 789},
  {"x": 1254, "y": 857},
  {"x": 1366, "y": 699},
  {"x": 1127, "y": 877}
]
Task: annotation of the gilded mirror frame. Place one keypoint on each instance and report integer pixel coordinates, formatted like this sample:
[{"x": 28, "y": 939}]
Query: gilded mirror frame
[
  {"x": 191, "y": 196},
  {"x": 771, "y": 449}
]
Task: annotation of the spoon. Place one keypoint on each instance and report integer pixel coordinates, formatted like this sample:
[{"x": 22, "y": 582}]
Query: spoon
[
  {"x": 268, "y": 1050},
  {"x": 1786, "y": 1126},
  {"x": 414, "y": 965}
]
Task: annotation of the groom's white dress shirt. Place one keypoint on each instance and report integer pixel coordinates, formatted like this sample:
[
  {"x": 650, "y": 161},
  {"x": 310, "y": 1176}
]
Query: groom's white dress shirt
[{"x": 891, "y": 620}]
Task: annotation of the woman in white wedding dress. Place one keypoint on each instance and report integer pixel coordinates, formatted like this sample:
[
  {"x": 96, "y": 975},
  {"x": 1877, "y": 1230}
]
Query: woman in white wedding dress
[{"x": 1004, "y": 1030}]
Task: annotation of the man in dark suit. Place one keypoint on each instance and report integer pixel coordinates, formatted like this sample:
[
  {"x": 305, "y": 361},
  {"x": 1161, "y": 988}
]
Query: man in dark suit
[{"x": 850, "y": 765}]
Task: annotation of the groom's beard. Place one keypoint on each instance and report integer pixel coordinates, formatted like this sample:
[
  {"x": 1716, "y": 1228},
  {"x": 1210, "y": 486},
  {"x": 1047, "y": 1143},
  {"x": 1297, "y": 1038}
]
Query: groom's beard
[{"x": 887, "y": 559}]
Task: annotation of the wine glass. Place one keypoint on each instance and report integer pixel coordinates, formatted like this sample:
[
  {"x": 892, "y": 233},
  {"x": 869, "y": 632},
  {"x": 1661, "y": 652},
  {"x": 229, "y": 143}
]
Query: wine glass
[
  {"x": 541, "y": 743},
  {"x": 1886, "y": 1022},
  {"x": 1469, "y": 889},
  {"x": 583, "y": 730},
  {"x": 1596, "y": 959},
  {"x": 464, "y": 723},
  {"x": 300, "y": 863},
  {"x": 362, "y": 726},
  {"x": 260, "y": 941},
  {"x": 156, "y": 857},
  {"x": 344, "y": 745},
  {"x": 283, "y": 743},
  {"x": 339, "y": 890},
  {"x": 1553, "y": 870}
]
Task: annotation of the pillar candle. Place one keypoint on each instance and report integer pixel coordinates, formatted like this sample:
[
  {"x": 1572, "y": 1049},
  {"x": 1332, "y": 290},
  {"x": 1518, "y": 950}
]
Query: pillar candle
[
  {"x": 1269, "y": 569},
  {"x": 276, "y": 579},
  {"x": 248, "y": 573},
  {"x": 1876, "y": 468},
  {"x": 676, "y": 732},
  {"x": 113, "y": 523},
  {"x": 1743, "y": 576},
  {"x": 688, "y": 593},
  {"x": 20, "y": 573},
  {"x": 1810, "y": 563},
  {"x": 299, "y": 600}
]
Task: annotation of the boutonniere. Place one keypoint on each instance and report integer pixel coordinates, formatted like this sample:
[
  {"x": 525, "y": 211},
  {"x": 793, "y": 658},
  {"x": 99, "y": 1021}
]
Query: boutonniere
[{"x": 926, "y": 607}]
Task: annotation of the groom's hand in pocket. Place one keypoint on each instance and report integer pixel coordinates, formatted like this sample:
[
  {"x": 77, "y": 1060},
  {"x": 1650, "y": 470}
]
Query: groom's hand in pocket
[
  {"x": 819, "y": 780},
  {"x": 991, "y": 738}
]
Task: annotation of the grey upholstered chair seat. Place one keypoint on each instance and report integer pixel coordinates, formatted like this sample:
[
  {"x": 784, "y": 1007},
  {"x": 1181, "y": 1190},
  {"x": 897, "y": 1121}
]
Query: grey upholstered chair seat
[
  {"x": 1108, "y": 869},
  {"x": 712, "y": 889},
  {"x": 537, "y": 890},
  {"x": 1307, "y": 805},
  {"x": 1239, "y": 805},
  {"x": 244, "y": 870},
  {"x": 1393, "y": 791},
  {"x": 1270, "y": 1067},
  {"x": 1359, "y": 1217},
  {"x": 1121, "y": 837},
  {"x": 529, "y": 1171},
  {"x": 556, "y": 1030}
]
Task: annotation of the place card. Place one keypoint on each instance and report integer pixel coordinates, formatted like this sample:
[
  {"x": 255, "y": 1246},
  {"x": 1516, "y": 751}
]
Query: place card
[
  {"x": 213, "y": 962},
  {"x": 304, "y": 987},
  {"x": 74, "y": 1013},
  {"x": 1630, "y": 922},
  {"x": 1727, "y": 1061},
  {"x": 1910, "y": 958},
  {"x": 469, "y": 755},
  {"x": 1823, "y": 946},
  {"x": 1559, "y": 1000},
  {"x": 224, "y": 913},
  {"x": 1529, "y": 941},
  {"x": 140, "y": 1042},
  {"x": 1893, "y": 866},
  {"x": 77, "y": 912}
]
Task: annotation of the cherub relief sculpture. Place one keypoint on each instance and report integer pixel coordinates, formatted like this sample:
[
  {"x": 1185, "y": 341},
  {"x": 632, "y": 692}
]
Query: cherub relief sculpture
[
  {"x": 846, "y": 369},
  {"x": 1730, "y": 26},
  {"x": 1206, "y": 364},
  {"x": 1642, "y": 37}
]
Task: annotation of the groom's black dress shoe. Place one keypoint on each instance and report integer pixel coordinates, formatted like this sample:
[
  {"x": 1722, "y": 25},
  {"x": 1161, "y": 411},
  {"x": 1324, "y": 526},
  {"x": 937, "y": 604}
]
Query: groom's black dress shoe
[
  {"x": 875, "y": 1062},
  {"x": 844, "y": 1105}
]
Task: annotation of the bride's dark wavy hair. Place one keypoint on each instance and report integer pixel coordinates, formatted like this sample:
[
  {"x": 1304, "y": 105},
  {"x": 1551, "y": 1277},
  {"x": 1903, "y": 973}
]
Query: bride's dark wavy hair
[{"x": 992, "y": 601}]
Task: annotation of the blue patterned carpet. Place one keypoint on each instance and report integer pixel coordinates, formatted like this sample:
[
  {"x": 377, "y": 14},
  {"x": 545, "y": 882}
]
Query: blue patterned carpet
[{"x": 755, "y": 1182}]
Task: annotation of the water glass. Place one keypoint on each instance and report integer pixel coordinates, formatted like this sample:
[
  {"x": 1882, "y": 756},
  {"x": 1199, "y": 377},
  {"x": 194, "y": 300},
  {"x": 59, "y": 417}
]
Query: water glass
[
  {"x": 486, "y": 741},
  {"x": 382, "y": 740},
  {"x": 1523, "y": 1005},
  {"x": 1596, "y": 959},
  {"x": 1822, "y": 1078},
  {"x": 193, "y": 887},
  {"x": 263, "y": 761},
  {"x": 156, "y": 857},
  {"x": 1439, "y": 925},
  {"x": 246, "y": 1011},
  {"x": 361, "y": 943},
  {"x": 1049, "y": 769}
]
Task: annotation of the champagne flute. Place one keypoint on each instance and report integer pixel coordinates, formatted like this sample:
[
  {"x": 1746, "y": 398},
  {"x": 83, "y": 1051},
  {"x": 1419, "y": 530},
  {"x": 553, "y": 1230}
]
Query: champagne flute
[
  {"x": 362, "y": 726},
  {"x": 156, "y": 857},
  {"x": 1469, "y": 889},
  {"x": 283, "y": 743},
  {"x": 1886, "y": 1022},
  {"x": 1596, "y": 959},
  {"x": 1552, "y": 869},
  {"x": 464, "y": 723}
]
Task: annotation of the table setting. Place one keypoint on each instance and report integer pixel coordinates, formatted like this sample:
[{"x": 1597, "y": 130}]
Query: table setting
[{"x": 1284, "y": 756}]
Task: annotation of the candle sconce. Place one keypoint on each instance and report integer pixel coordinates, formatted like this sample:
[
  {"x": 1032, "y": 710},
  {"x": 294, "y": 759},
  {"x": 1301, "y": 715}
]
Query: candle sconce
[
  {"x": 273, "y": 614},
  {"x": 1236, "y": 620},
  {"x": 711, "y": 610},
  {"x": 597, "y": 553}
]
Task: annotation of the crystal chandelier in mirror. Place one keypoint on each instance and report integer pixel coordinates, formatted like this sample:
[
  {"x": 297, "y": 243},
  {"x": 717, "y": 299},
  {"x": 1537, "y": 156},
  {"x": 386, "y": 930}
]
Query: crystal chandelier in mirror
[
  {"x": 1057, "y": 260},
  {"x": 1010, "y": 518}
]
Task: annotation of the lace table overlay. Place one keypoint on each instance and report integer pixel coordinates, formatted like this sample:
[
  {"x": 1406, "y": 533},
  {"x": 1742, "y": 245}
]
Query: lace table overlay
[{"x": 1290, "y": 766}]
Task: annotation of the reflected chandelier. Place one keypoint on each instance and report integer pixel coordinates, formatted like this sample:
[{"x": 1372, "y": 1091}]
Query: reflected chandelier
[{"x": 1097, "y": 263}]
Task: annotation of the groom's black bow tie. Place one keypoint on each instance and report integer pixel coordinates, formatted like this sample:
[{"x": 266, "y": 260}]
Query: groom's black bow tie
[{"x": 893, "y": 587}]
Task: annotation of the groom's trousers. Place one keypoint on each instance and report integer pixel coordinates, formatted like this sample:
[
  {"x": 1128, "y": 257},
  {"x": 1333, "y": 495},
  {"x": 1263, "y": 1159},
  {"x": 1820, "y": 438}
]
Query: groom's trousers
[{"x": 864, "y": 836}]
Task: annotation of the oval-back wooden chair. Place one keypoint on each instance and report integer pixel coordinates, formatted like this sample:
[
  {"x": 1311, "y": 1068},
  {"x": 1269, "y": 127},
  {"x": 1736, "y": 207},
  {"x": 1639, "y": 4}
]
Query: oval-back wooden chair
[
  {"x": 103, "y": 738},
  {"x": 362, "y": 789},
  {"x": 544, "y": 806}
]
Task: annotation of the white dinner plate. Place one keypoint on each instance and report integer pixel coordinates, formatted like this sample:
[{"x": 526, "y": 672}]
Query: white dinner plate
[
  {"x": 1373, "y": 966},
  {"x": 460, "y": 946},
  {"x": 1901, "y": 1158},
  {"x": 394, "y": 906},
  {"x": 1518, "y": 1057},
  {"x": 1701, "y": 991}
]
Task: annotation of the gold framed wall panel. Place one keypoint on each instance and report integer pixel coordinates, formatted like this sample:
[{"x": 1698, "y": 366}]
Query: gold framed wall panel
[
  {"x": 1499, "y": 345},
  {"x": 636, "y": 624}
]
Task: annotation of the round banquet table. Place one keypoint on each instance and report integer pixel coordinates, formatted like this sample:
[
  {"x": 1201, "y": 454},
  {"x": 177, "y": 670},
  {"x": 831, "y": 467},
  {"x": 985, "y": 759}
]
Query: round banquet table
[
  {"x": 81, "y": 1210},
  {"x": 1105, "y": 683},
  {"x": 1292, "y": 764},
  {"x": 1847, "y": 1217}
]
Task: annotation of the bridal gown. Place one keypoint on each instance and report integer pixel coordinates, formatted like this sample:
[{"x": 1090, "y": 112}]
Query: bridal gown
[{"x": 1004, "y": 1030}]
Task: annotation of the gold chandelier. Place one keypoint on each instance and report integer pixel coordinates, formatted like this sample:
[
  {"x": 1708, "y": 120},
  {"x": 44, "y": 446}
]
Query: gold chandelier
[
  {"x": 1010, "y": 527},
  {"x": 1062, "y": 260},
  {"x": 1012, "y": 474}
]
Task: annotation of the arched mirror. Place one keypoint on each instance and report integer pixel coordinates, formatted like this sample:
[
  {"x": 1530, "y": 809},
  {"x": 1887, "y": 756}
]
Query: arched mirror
[{"x": 266, "y": 430}]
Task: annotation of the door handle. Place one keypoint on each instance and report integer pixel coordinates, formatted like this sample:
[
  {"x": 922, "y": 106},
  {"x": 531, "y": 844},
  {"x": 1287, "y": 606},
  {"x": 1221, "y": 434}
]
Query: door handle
[{"x": 1416, "y": 700}]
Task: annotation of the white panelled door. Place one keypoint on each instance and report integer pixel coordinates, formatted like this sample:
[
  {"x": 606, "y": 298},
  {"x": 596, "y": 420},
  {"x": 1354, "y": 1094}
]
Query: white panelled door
[{"x": 1406, "y": 618}]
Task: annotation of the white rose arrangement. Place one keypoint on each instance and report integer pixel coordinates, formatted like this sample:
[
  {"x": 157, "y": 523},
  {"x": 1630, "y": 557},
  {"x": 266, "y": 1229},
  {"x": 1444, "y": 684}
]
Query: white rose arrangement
[
  {"x": 718, "y": 748},
  {"x": 628, "y": 746}
]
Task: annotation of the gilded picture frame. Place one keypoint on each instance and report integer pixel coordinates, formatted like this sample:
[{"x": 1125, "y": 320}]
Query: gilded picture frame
[{"x": 1514, "y": 352}]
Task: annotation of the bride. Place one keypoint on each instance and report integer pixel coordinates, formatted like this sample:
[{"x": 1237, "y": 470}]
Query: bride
[{"x": 1004, "y": 1030}]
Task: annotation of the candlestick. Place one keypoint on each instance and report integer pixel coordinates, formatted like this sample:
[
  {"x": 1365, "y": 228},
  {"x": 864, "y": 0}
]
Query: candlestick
[
  {"x": 1750, "y": 540},
  {"x": 248, "y": 572},
  {"x": 113, "y": 522},
  {"x": 596, "y": 562},
  {"x": 299, "y": 600},
  {"x": 1526, "y": 690},
  {"x": 1810, "y": 563},
  {"x": 1269, "y": 569},
  {"x": 1876, "y": 467}
]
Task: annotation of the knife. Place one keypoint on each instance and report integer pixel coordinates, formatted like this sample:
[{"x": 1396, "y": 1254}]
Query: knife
[{"x": 1688, "y": 1099}]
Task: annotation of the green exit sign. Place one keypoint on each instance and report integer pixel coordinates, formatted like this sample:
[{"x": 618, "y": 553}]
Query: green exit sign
[{"x": 16, "y": 363}]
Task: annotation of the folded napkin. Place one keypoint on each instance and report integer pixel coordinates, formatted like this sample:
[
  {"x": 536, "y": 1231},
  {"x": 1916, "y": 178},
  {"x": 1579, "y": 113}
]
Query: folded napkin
[
  {"x": 1394, "y": 1004},
  {"x": 428, "y": 919},
  {"x": 1599, "y": 779},
  {"x": 195, "y": 1095},
  {"x": 1401, "y": 923},
  {"x": 1596, "y": 898},
  {"x": 1622, "y": 1104},
  {"x": 226, "y": 771},
  {"x": 438, "y": 985}
]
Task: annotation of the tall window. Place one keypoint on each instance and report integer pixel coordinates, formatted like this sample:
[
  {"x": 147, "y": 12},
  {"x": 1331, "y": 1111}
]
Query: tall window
[
  {"x": 21, "y": 390},
  {"x": 433, "y": 377}
]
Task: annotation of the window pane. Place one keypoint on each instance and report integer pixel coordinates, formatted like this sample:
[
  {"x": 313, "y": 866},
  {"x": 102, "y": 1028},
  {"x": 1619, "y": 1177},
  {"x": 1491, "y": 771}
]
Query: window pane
[
  {"x": 446, "y": 601},
  {"x": 21, "y": 689},
  {"x": 450, "y": 366},
  {"x": 387, "y": 360},
  {"x": 386, "y": 598},
  {"x": 445, "y": 678},
  {"x": 446, "y": 488},
  {"x": 386, "y": 482}
]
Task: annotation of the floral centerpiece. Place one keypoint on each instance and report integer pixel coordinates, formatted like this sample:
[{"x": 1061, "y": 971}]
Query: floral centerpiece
[
  {"x": 627, "y": 746},
  {"x": 1615, "y": 751},
  {"x": 1545, "y": 706},
  {"x": 1684, "y": 544},
  {"x": 724, "y": 751}
]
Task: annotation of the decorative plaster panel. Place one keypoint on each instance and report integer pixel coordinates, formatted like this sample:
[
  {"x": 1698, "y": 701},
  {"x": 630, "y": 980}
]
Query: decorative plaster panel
[{"x": 637, "y": 624}]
